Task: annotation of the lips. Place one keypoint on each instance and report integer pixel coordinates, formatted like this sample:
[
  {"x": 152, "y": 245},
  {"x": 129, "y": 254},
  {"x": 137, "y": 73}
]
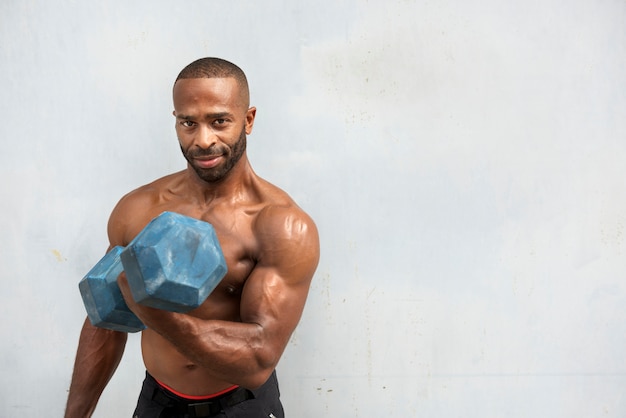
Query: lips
[{"x": 208, "y": 161}]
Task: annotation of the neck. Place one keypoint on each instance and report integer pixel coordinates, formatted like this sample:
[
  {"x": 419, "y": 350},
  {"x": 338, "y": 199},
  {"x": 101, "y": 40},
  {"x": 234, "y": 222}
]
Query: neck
[{"x": 231, "y": 187}]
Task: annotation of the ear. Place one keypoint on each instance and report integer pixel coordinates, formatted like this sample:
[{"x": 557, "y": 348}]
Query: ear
[{"x": 250, "y": 115}]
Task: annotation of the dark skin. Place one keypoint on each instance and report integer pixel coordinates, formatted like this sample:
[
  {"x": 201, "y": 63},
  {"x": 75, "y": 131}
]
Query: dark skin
[{"x": 271, "y": 248}]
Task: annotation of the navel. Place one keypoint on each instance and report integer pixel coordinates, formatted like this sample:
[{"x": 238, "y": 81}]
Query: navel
[{"x": 232, "y": 290}]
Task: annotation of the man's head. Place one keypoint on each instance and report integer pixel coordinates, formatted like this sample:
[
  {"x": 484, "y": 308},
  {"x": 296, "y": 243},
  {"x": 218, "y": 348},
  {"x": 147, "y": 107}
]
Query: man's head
[
  {"x": 211, "y": 102},
  {"x": 212, "y": 67}
]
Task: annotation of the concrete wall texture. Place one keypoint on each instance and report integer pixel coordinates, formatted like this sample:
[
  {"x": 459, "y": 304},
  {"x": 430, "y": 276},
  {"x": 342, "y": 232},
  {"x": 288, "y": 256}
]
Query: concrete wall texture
[{"x": 463, "y": 159}]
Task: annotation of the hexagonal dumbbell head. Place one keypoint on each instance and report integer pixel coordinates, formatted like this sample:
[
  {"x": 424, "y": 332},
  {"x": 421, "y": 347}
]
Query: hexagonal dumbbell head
[
  {"x": 174, "y": 263},
  {"x": 103, "y": 300}
]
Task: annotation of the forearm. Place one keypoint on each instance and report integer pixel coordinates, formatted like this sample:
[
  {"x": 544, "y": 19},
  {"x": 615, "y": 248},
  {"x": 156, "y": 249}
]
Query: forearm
[
  {"x": 98, "y": 355},
  {"x": 231, "y": 351}
]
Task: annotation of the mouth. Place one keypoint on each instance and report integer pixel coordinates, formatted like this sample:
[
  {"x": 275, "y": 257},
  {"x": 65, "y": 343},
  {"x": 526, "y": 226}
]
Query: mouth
[{"x": 208, "y": 161}]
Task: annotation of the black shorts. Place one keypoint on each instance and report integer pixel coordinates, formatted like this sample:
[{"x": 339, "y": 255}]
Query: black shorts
[{"x": 158, "y": 402}]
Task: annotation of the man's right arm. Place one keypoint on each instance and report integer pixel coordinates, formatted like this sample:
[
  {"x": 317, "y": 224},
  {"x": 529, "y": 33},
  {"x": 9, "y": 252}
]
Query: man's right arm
[
  {"x": 100, "y": 350},
  {"x": 98, "y": 355}
]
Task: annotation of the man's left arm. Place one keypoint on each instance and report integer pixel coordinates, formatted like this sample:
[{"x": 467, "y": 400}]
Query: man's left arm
[{"x": 272, "y": 301}]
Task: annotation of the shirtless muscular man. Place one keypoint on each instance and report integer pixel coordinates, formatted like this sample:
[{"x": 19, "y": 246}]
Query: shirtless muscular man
[{"x": 219, "y": 359}]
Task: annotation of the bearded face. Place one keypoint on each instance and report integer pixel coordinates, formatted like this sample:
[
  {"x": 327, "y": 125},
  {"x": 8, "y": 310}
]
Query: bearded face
[{"x": 230, "y": 156}]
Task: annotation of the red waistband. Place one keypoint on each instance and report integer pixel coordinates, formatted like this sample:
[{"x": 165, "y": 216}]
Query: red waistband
[{"x": 197, "y": 398}]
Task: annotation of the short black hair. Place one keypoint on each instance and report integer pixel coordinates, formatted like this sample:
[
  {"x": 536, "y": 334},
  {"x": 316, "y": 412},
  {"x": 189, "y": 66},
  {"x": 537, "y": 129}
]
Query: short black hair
[{"x": 211, "y": 67}]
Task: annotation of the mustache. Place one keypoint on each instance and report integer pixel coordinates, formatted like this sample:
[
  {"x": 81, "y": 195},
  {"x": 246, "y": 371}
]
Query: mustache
[{"x": 212, "y": 151}]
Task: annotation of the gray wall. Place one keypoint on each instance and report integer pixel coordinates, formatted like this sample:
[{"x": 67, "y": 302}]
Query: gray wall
[{"x": 464, "y": 160}]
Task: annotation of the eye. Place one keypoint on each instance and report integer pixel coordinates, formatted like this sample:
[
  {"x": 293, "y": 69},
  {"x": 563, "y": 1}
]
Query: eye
[
  {"x": 187, "y": 123},
  {"x": 219, "y": 122}
]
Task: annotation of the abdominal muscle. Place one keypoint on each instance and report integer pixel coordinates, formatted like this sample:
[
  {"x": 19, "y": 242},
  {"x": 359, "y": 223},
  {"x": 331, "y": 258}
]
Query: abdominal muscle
[{"x": 168, "y": 366}]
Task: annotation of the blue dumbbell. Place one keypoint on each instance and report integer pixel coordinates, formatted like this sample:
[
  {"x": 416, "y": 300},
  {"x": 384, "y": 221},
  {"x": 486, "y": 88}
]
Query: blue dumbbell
[
  {"x": 103, "y": 300},
  {"x": 174, "y": 263}
]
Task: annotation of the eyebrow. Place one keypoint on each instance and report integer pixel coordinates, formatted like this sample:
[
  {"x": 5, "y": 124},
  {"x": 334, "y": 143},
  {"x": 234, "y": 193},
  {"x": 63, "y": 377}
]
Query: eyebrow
[{"x": 216, "y": 115}]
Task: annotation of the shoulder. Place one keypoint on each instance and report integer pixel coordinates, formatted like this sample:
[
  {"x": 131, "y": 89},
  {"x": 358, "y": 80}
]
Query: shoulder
[
  {"x": 287, "y": 221},
  {"x": 135, "y": 209},
  {"x": 285, "y": 231}
]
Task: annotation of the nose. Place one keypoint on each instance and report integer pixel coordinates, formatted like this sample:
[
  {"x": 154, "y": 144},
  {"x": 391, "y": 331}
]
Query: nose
[{"x": 205, "y": 137}]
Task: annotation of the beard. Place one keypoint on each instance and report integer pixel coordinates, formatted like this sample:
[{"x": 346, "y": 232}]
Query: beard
[{"x": 231, "y": 156}]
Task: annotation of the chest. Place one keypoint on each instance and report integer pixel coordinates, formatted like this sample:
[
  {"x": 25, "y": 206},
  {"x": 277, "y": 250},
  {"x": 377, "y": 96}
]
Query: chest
[{"x": 234, "y": 230}]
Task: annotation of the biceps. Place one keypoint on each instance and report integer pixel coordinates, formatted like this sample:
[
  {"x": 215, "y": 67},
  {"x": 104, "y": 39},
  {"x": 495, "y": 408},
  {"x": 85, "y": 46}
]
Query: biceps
[{"x": 273, "y": 302}]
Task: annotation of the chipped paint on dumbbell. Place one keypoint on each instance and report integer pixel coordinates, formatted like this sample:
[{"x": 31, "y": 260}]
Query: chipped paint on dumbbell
[
  {"x": 103, "y": 299},
  {"x": 163, "y": 271},
  {"x": 174, "y": 263}
]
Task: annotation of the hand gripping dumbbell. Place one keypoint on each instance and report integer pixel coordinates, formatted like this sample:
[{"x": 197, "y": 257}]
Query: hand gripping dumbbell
[{"x": 173, "y": 264}]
